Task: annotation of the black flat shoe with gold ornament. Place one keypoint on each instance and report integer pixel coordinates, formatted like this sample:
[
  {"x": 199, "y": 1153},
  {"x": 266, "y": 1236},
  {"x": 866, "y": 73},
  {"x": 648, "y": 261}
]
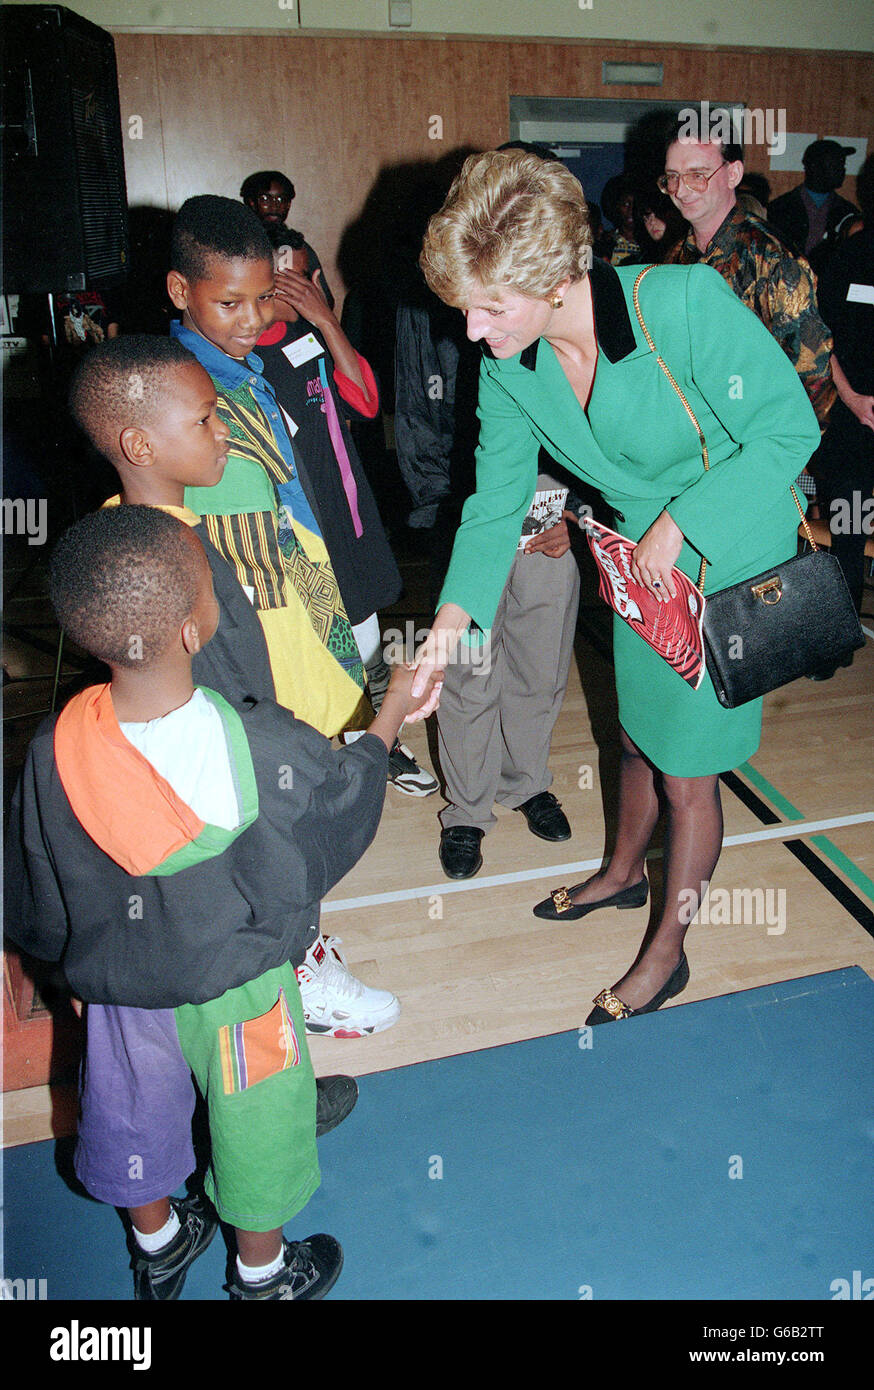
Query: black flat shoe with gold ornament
[
  {"x": 560, "y": 907},
  {"x": 609, "y": 1007}
]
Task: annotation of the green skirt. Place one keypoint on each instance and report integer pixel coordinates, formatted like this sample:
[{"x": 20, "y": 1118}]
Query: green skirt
[{"x": 685, "y": 732}]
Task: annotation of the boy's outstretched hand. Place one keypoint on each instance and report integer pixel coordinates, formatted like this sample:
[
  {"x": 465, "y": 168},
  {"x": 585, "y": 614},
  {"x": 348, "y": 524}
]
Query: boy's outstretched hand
[{"x": 399, "y": 702}]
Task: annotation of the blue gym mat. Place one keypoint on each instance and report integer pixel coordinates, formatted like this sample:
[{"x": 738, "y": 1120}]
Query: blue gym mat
[{"x": 718, "y": 1150}]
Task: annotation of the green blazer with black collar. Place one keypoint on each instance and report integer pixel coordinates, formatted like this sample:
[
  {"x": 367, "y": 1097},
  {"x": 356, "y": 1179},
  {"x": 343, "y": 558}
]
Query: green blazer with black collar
[{"x": 636, "y": 444}]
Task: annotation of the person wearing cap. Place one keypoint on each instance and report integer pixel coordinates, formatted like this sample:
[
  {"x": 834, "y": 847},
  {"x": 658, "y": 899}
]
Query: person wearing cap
[{"x": 811, "y": 215}]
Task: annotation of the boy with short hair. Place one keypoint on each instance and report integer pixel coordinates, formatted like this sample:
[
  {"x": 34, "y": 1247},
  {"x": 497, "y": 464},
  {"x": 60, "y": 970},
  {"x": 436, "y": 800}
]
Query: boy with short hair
[
  {"x": 150, "y": 407},
  {"x": 259, "y": 517},
  {"x": 211, "y": 830}
]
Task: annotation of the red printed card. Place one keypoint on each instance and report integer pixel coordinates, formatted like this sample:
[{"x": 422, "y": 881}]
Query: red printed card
[{"x": 673, "y": 629}]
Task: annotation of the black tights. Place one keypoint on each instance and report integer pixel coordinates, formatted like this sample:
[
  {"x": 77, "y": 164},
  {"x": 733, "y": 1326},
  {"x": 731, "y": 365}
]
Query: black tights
[{"x": 693, "y": 840}]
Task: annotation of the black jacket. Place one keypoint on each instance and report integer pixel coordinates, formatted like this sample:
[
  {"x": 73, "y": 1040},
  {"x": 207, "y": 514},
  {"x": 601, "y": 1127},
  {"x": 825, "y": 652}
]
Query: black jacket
[
  {"x": 789, "y": 215},
  {"x": 156, "y": 941},
  {"x": 367, "y": 575},
  {"x": 235, "y": 662}
]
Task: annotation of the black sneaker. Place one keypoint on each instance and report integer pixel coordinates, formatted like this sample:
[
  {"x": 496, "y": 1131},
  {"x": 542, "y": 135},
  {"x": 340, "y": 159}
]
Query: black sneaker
[
  {"x": 405, "y": 774},
  {"x": 159, "y": 1277},
  {"x": 312, "y": 1267},
  {"x": 335, "y": 1097}
]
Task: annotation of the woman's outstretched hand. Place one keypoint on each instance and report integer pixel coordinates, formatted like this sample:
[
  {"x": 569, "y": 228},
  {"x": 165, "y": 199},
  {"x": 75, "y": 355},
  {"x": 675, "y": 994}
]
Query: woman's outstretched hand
[
  {"x": 434, "y": 656},
  {"x": 655, "y": 555}
]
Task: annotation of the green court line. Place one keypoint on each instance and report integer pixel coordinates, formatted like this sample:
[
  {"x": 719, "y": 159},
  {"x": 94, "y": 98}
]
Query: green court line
[
  {"x": 825, "y": 845},
  {"x": 837, "y": 856}
]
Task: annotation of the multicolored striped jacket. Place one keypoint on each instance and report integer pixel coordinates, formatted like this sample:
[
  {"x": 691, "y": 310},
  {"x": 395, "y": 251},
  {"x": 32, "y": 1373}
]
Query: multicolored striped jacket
[{"x": 260, "y": 521}]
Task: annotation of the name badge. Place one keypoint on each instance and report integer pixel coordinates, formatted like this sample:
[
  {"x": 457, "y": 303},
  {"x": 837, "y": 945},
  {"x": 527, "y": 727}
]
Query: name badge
[
  {"x": 860, "y": 294},
  {"x": 303, "y": 349}
]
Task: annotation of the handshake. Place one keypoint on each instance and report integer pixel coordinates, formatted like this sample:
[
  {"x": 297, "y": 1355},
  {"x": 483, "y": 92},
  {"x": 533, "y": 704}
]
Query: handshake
[
  {"x": 415, "y": 686},
  {"x": 418, "y": 694},
  {"x": 400, "y": 705}
]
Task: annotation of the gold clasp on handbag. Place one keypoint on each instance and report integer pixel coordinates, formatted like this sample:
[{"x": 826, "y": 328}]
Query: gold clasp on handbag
[{"x": 771, "y": 591}]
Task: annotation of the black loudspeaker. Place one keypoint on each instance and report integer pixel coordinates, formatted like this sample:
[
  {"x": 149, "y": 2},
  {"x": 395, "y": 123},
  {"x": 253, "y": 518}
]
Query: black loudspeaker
[{"x": 64, "y": 196}]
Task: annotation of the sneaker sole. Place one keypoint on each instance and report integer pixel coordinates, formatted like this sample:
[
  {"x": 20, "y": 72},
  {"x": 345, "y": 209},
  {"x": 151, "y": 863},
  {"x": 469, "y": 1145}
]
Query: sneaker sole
[
  {"x": 325, "y": 1030},
  {"x": 413, "y": 788}
]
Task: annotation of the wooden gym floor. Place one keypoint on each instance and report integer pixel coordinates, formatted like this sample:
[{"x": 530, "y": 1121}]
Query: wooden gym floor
[{"x": 473, "y": 967}]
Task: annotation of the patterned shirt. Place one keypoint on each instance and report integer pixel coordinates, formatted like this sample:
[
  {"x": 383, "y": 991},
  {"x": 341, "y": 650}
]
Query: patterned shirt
[
  {"x": 781, "y": 291},
  {"x": 623, "y": 249},
  {"x": 259, "y": 520}
]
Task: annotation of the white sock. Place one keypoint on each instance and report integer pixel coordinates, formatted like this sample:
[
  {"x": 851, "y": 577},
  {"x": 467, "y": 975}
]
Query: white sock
[
  {"x": 156, "y": 1240},
  {"x": 368, "y": 637},
  {"x": 257, "y": 1274}
]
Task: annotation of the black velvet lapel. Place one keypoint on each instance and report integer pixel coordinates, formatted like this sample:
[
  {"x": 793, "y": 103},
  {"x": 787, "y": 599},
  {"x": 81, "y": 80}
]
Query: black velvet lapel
[
  {"x": 528, "y": 356},
  {"x": 612, "y": 321}
]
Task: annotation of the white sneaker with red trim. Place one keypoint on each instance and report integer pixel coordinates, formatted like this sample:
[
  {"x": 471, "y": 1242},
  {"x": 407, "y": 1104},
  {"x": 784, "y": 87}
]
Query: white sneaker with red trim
[{"x": 335, "y": 1004}]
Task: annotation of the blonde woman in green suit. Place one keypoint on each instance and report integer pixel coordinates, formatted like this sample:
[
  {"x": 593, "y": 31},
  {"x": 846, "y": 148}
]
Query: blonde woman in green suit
[{"x": 566, "y": 366}]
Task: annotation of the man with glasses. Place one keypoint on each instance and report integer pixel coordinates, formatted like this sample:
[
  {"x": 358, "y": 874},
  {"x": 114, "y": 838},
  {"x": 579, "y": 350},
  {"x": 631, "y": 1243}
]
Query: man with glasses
[
  {"x": 701, "y": 178},
  {"x": 270, "y": 195}
]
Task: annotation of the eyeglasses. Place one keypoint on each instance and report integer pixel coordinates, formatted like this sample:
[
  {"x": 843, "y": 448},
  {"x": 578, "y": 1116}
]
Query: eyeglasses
[
  {"x": 268, "y": 199},
  {"x": 696, "y": 182}
]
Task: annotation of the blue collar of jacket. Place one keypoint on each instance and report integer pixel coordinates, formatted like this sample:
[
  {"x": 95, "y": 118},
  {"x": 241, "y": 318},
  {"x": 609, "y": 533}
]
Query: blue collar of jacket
[
  {"x": 613, "y": 330},
  {"x": 228, "y": 371},
  {"x": 231, "y": 372}
]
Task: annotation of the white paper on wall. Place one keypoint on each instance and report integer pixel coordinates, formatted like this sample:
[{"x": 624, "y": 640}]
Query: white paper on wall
[{"x": 789, "y": 160}]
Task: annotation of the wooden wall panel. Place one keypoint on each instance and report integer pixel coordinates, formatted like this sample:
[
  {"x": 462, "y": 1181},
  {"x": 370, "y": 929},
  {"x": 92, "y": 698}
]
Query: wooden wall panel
[
  {"x": 139, "y": 96},
  {"x": 335, "y": 113}
]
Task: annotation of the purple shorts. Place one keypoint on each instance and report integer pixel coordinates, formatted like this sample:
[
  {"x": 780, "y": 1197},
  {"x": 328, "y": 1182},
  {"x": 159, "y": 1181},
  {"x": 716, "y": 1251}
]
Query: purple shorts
[
  {"x": 137, "y": 1102},
  {"x": 246, "y": 1053}
]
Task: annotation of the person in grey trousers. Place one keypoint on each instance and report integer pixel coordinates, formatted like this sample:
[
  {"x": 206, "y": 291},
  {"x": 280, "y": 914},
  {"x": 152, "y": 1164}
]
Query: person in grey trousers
[{"x": 501, "y": 699}]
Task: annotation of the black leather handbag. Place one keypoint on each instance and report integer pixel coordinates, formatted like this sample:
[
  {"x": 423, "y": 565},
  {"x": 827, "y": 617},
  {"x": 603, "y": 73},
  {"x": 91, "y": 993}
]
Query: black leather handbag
[
  {"x": 782, "y": 624},
  {"x": 767, "y": 631}
]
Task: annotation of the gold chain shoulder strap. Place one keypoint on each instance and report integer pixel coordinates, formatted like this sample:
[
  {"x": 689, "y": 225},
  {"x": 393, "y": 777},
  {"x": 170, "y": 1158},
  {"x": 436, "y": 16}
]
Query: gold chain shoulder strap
[{"x": 690, "y": 412}]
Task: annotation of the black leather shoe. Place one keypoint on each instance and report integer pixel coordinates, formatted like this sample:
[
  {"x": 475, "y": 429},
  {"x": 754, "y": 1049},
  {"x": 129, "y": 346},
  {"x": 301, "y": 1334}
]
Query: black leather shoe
[
  {"x": 545, "y": 817},
  {"x": 609, "y": 1007},
  {"x": 459, "y": 851},
  {"x": 335, "y": 1097},
  {"x": 559, "y": 907}
]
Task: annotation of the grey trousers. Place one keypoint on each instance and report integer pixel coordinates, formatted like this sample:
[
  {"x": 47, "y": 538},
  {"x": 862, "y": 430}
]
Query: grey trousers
[{"x": 496, "y": 716}]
